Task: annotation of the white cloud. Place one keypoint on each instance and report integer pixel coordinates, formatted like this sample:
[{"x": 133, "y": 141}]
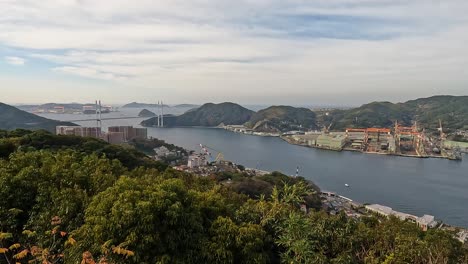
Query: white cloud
[
  {"x": 253, "y": 47},
  {"x": 15, "y": 61}
]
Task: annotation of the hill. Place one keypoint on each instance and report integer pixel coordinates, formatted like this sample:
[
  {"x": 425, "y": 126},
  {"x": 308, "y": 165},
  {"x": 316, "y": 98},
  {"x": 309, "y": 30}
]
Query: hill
[
  {"x": 13, "y": 118},
  {"x": 146, "y": 113},
  {"x": 208, "y": 115},
  {"x": 281, "y": 119},
  {"x": 375, "y": 114},
  {"x": 452, "y": 110}
]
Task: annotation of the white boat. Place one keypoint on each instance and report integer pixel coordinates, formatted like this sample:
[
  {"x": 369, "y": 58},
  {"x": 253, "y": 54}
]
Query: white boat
[{"x": 347, "y": 185}]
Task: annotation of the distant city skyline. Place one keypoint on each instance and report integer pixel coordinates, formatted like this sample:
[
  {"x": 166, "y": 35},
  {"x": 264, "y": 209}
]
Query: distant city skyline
[{"x": 264, "y": 52}]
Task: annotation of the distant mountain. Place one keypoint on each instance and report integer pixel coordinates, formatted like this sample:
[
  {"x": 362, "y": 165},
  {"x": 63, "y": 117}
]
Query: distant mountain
[
  {"x": 141, "y": 105},
  {"x": 146, "y": 113},
  {"x": 186, "y": 106},
  {"x": 209, "y": 115},
  {"x": 13, "y": 118},
  {"x": 282, "y": 119},
  {"x": 50, "y": 106},
  {"x": 452, "y": 110}
]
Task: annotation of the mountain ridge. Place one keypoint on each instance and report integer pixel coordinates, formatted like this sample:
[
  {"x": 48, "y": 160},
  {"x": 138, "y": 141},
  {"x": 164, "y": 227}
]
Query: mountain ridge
[
  {"x": 451, "y": 110},
  {"x": 14, "y": 118}
]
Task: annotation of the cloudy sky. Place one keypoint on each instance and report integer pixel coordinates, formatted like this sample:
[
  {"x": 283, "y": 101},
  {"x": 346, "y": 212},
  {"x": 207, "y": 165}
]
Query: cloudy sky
[{"x": 247, "y": 51}]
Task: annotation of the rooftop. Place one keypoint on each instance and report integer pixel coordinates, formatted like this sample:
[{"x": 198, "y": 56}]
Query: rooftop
[{"x": 425, "y": 219}]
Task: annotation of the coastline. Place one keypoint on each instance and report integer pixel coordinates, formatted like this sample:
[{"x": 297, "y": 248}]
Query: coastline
[
  {"x": 334, "y": 203},
  {"x": 245, "y": 131}
]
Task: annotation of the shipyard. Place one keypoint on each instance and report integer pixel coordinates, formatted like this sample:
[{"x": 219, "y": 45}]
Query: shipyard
[{"x": 406, "y": 141}]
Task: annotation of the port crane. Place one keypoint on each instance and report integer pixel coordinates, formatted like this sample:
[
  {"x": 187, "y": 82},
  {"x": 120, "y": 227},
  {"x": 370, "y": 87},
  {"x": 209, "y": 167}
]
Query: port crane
[
  {"x": 442, "y": 134},
  {"x": 326, "y": 129},
  {"x": 205, "y": 151}
]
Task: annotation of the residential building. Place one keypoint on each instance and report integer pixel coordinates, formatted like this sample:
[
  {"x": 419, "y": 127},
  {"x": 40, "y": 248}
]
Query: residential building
[
  {"x": 114, "y": 137},
  {"x": 79, "y": 131},
  {"x": 130, "y": 132},
  {"x": 426, "y": 221}
]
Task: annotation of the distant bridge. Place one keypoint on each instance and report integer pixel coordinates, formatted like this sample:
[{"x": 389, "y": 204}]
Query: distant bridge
[
  {"x": 102, "y": 119},
  {"x": 111, "y": 118}
]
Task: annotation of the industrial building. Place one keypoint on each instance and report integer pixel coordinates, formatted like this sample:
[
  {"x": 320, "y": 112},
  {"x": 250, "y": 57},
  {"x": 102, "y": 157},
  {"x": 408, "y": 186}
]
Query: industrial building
[{"x": 330, "y": 141}]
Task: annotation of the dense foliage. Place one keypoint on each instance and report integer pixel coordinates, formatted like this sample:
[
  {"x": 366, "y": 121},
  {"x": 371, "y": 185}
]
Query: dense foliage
[
  {"x": 58, "y": 201},
  {"x": 451, "y": 110},
  {"x": 26, "y": 140},
  {"x": 13, "y": 118}
]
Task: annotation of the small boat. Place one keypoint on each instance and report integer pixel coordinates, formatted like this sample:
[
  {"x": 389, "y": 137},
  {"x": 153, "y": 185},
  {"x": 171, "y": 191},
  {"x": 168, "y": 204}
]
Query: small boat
[{"x": 347, "y": 185}]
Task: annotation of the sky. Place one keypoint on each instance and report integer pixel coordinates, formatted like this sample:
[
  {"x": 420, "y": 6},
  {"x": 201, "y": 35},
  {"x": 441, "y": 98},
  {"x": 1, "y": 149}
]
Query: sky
[{"x": 299, "y": 52}]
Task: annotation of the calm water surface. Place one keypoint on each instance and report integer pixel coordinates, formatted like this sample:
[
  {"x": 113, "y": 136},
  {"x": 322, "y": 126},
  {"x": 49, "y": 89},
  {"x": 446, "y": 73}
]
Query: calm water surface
[{"x": 417, "y": 186}]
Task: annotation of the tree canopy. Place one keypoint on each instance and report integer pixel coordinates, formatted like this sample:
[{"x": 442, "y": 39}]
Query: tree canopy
[{"x": 62, "y": 197}]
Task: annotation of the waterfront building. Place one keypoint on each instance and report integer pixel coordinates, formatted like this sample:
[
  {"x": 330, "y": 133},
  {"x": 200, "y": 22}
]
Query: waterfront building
[
  {"x": 330, "y": 141},
  {"x": 380, "y": 209},
  {"x": 89, "y": 109},
  {"x": 424, "y": 222}
]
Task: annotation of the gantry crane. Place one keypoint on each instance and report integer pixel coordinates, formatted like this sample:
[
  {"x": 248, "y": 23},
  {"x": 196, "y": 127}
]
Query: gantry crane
[
  {"x": 206, "y": 152},
  {"x": 442, "y": 134}
]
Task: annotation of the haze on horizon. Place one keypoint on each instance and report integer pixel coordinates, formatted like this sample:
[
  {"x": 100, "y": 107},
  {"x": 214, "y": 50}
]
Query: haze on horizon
[{"x": 249, "y": 51}]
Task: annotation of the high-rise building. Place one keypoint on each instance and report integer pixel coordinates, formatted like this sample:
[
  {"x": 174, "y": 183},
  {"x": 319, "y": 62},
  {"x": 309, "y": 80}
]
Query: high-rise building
[
  {"x": 130, "y": 132},
  {"x": 79, "y": 131},
  {"x": 116, "y": 134},
  {"x": 114, "y": 137}
]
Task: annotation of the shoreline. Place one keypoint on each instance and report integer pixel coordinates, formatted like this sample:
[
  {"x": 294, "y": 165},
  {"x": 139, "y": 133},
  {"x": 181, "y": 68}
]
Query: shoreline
[
  {"x": 371, "y": 153},
  {"x": 359, "y": 205},
  {"x": 264, "y": 134},
  {"x": 354, "y": 208}
]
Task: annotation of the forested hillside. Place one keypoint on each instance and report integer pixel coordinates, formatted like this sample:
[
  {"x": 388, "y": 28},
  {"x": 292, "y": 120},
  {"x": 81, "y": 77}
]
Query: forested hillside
[
  {"x": 13, "y": 118},
  {"x": 451, "y": 110},
  {"x": 64, "y": 196},
  {"x": 282, "y": 119},
  {"x": 208, "y": 115}
]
